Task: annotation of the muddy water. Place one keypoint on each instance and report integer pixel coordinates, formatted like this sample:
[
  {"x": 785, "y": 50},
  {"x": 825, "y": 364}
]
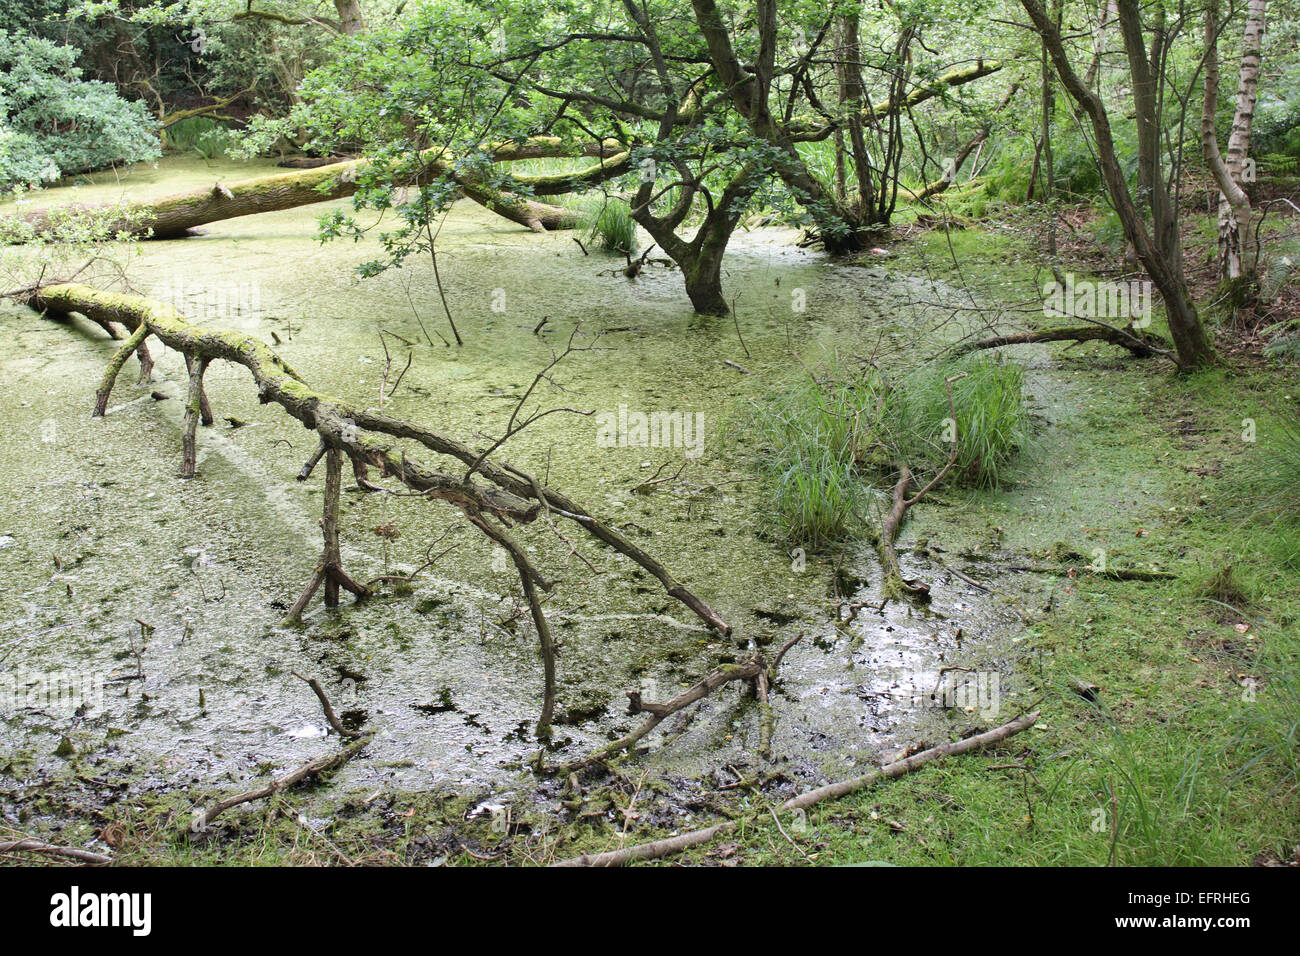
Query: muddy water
[{"x": 98, "y": 534}]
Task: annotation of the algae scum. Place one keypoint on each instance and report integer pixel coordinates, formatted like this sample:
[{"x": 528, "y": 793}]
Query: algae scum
[{"x": 173, "y": 591}]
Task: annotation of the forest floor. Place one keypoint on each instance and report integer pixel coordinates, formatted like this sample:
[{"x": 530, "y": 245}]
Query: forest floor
[{"x": 1186, "y": 755}]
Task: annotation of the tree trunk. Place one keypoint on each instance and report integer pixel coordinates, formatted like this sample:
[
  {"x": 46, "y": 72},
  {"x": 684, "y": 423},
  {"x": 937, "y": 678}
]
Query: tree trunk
[
  {"x": 173, "y": 216},
  {"x": 350, "y": 16},
  {"x": 1158, "y": 250},
  {"x": 1104, "y": 17},
  {"x": 848, "y": 72},
  {"x": 704, "y": 286},
  {"x": 1237, "y": 254},
  {"x": 700, "y": 259},
  {"x": 1048, "y": 157}
]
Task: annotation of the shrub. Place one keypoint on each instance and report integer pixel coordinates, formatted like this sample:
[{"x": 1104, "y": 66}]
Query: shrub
[
  {"x": 53, "y": 123},
  {"x": 991, "y": 425},
  {"x": 200, "y": 134},
  {"x": 807, "y": 450}
]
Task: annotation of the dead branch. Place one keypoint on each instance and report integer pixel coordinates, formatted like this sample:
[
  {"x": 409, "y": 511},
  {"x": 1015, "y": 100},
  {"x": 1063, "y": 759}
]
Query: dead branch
[
  {"x": 320, "y": 765},
  {"x": 49, "y": 849},
  {"x": 529, "y": 580},
  {"x": 780, "y": 655},
  {"x": 649, "y": 851},
  {"x": 1115, "y": 574},
  {"x": 762, "y": 687},
  {"x": 330, "y": 569},
  {"x": 514, "y": 425},
  {"x": 521, "y": 483},
  {"x": 310, "y": 465},
  {"x": 746, "y": 670},
  {"x": 1141, "y": 344},
  {"x": 197, "y": 366},
  {"x": 133, "y": 344},
  {"x": 326, "y": 706},
  {"x": 673, "y": 845},
  {"x": 894, "y": 580}
]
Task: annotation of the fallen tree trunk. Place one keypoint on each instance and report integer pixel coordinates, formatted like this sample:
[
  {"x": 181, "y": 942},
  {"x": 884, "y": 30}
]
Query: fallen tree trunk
[
  {"x": 173, "y": 216},
  {"x": 1141, "y": 344},
  {"x": 1114, "y": 574},
  {"x": 659, "y": 849},
  {"x": 553, "y": 147},
  {"x": 534, "y": 147},
  {"x": 367, "y": 438}
]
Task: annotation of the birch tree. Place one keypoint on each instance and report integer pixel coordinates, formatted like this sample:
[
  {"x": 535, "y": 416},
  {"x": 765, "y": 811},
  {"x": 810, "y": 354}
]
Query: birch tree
[{"x": 1237, "y": 254}]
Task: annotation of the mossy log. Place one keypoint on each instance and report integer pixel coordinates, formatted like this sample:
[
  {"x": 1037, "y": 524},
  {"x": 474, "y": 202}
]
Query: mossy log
[
  {"x": 174, "y": 216},
  {"x": 534, "y": 147},
  {"x": 553, "y": 147},
  {"x": 1141, "y": 344}
]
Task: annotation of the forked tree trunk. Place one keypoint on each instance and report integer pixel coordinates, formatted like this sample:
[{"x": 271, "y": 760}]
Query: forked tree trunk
[
  {"x": 704, "y": 286},
  {"x": 701, "y": 258}
]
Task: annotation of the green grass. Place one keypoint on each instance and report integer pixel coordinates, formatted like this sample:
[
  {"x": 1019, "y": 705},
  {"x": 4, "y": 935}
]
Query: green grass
[
  {"x": 822, "y": 441},
  {"x": 199, "y": 134},
  {"x": 1275, "y": 474},
  {"x": 992, "y": 424},
  {"x": 607, "y": 224},
  {"x": 805, "y": 434}
]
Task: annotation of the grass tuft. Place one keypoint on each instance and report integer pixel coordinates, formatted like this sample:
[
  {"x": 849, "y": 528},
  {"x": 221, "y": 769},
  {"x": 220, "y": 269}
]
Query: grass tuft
[
  {"x": 607, "y": 224},
  {"x": 824, "y": 440}
]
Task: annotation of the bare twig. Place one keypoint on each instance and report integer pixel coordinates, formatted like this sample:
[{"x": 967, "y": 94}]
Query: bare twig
[
  {"x": 325, "y": 705},
  {"x": 48, "y": 849},
  {"x": 684, "y": 841}
]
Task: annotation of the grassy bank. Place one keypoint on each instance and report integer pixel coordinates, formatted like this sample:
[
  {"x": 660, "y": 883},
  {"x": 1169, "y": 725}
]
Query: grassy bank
[{"x": 1188, "y": 752}]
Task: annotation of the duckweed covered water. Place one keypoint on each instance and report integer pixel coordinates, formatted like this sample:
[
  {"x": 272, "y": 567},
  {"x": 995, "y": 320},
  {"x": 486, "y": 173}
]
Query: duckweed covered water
[{"x": 174, "y": 590}]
